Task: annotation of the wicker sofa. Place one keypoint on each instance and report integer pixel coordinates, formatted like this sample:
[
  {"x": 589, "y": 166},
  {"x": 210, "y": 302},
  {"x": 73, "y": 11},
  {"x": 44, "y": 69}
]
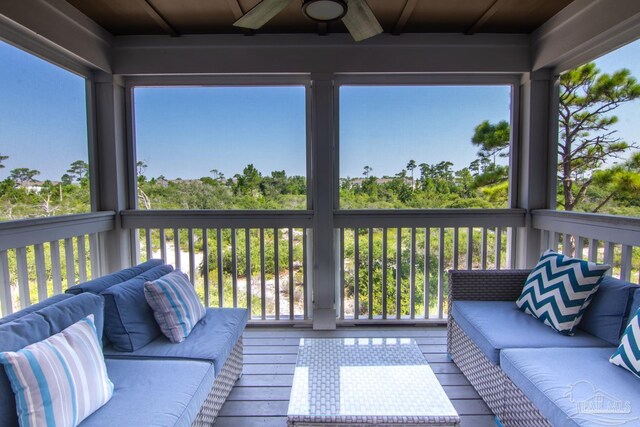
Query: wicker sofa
[
  {"x": 528, "y": 374},
  {"x": 158, "y": 383}
]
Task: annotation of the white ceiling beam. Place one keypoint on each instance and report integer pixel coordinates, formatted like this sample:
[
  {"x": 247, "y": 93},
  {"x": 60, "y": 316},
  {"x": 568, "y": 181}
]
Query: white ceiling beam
[
  {"x": 584, "y": 30},
  {"x": 407, "y": 11},
  {"x": 158, "y": 18},
  {"x": 334, "y": 53},
  {"x": 55, "y": 30},
  {"x": 485, "y": 17}
]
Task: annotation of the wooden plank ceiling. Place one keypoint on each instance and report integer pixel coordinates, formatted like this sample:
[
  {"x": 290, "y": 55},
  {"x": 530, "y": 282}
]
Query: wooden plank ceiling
[{"x": 148, "y": 17}]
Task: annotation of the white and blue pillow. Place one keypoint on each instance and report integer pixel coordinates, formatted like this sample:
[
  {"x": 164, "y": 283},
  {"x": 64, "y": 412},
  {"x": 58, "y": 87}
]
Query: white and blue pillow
[
  {"x": 175, "y": 304},
  {"x": 559, "y": 289},
  {"x": 628, "y": 353},
  {"x": 61, "y": 380}
]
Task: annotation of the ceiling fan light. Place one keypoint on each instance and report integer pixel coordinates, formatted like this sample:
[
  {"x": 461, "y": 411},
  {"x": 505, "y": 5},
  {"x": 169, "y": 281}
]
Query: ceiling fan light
[{"x": 324, "y": 10}]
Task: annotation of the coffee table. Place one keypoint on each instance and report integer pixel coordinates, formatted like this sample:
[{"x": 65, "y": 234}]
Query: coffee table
[{"x": 365, "y": 382}]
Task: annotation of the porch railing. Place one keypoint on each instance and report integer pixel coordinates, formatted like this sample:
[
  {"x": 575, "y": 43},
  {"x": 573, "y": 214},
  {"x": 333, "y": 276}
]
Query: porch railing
[
  {"x": 254, "y": 260},
  {"x": 613, "y": 240},
  {"x": 392, "y": 265},
  {"x": 43, "y": 256}
]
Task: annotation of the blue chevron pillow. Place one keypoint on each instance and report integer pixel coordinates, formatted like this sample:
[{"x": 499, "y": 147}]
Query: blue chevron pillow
[
  {"x": 628, "y": 353},
  {"x": 559, "y": 289}
]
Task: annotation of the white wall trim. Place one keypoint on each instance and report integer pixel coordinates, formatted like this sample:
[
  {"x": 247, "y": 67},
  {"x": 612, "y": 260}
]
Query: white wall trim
[{"x": 583, "y": 31}]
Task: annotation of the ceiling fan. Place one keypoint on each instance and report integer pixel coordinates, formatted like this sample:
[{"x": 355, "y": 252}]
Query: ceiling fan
[{"x": 355, "y": 14}]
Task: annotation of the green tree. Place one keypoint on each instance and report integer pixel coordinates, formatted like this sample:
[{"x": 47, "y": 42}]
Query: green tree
[
  {"x": 367, "y": 171},
  {"x": 23, "y": 175},
  {"x": 2, "y": 159},
  {"x": 410, "y": 167},
  {"x": 620, "y": 183},
  {"x": 587, "y": 141},
  {"x": 493, "y": 139},
  {"x": 78, "y": 170}
]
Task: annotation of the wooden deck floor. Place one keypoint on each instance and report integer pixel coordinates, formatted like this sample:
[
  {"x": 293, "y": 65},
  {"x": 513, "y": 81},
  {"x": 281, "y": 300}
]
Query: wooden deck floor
[{"x": 261, "y": 397}]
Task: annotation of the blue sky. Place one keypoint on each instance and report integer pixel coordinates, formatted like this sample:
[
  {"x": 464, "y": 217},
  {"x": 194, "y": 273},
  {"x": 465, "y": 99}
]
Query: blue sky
[{"x": 185, "y": 132}]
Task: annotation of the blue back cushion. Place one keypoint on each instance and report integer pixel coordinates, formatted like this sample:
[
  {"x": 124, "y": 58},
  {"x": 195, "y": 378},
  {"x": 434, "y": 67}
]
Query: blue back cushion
[
  {"x": 14, "y": 336},
  {"x": 129, "y": 321},
  {"x": 607, "y": 315},
  {"x": 100, "y": 284},
  {"x": 35, "y": 307},
  {"x": 69, "y": 311}
]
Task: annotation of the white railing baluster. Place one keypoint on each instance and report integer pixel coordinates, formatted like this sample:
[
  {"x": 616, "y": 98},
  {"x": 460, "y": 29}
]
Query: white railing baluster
[
  {"x": 176, "y": 248},
  {"x": 23, "y": 277},
  {"x": 483, "y": 249},
  {"x": 398, "y": 272},
  {"x": 94, "y": 256},
  {"x": 263, "y": 280},
  {"x": 370, "y": 273},
  {"x": 342, "y": 281},
  {"x": 427, "y": 271},
  {"x": 69, "y": 262},
  {"x": 441, "y": 272},
  {"x": 566, "y": 244},
  {"x": 305, "y": 275},
  {"x": 41, "y": 271},
  {"x": 498, "y": 247},
  {"x": 220, "y": 260},
  {"x": 192, "y": 256},
  {"x": 247, "y": 246},
  {"x": 82, "y": 259},
  {"x": 625, "y": 262},
  {"x": 56, "y": 275},
  {"x": 356, "y": 274},
  {"x": 148, "y": 244},
  {"x": 469, "y": 248},
  {"x": 276, "y": 270},
  {"x": 455, "y": 248},
  {"x": 555, "y": 241},
  {"x": 163, "y": 245},
  {"x": 205, "y": 267},
  {"x": 609, "y": 248},
  {"x": 5, "y": 285},
  {"x": 511, "y": 247},
  {"x": 234, "y": 267},
  {"x": 384, "y": 273},
  {"x": 291, "y": 288},
  {"x": 412, "y": 275},
  {"x": 593, "y": 250},
  {"x": 579, "y": 247}
]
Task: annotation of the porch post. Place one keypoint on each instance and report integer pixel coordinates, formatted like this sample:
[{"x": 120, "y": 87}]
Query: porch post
[
  {"x": 109, "y": 135},
  {"x": 323, "y": 187},
  {"x": 536, "y": 158}
]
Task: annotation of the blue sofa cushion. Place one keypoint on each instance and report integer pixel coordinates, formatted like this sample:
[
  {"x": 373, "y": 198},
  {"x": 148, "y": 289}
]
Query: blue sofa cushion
[
  {"x": 129, "y": 321},
  {"x": 100, "y": 284},
  {"x": 212, "y": 339},
  {"x": 154, "y": 393},
  {"x": 35, "y": 307},
  {"x": 607, "y": 314},
  {"x": 69, "y": 311},
  {"x": 496, "y": 325},
  {"x": 635, "y": 305},
  {"x": 14, "y": 336},
  {"x": 565, "y": 384}
]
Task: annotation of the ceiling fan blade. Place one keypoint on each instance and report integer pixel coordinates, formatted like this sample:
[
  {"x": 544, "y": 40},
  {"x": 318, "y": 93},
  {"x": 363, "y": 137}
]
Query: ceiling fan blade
[
  {"x": 261, "y": 14},
  {"x": 360, "y": 20}
]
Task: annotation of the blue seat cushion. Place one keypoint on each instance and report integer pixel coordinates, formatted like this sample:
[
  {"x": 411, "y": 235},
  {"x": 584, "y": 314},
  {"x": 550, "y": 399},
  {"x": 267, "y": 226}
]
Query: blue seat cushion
[
  {"x": 607, "y": 315},
  {"x": 496, "y": 325},
  {"x": 35, "y": 307},
  {"x": 69, "y": 311},
  {"x": 100, "y": 284},
  {"x": 128, "y": 318},
  {"x": 212, "y": 339},
  {"x": 154, "y": 393},
  {"x": 570, "y": 386},
  {"x": 15, "y": 335}
]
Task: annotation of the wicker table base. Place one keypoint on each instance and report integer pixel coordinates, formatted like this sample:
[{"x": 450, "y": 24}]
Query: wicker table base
[{"x": 354, "y": 382}]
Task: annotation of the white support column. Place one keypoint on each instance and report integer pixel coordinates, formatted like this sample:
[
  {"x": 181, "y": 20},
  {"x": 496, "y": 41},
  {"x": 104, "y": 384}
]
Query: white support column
[
  {"x": 536, "y": 159},
  {"x": 323, "y": 187},
  {"x": 111, "y": 170}
]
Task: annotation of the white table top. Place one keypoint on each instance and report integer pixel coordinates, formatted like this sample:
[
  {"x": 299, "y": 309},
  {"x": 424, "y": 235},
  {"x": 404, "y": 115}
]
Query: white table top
[{"x": 364, "y": 381}]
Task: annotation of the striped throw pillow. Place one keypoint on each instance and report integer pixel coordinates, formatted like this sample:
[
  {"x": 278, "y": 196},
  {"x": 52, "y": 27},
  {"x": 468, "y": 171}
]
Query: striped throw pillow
[
  {"x": 559, "y": 289},
  {"x": 628, "y": 353},
  {"x": 61, "y": 380},
  {"x": 175, "y": 304}
]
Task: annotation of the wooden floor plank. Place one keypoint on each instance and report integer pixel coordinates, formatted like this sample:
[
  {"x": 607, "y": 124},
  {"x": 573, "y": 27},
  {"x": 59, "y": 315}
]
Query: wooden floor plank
[{"x": 261, "y": 397}]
